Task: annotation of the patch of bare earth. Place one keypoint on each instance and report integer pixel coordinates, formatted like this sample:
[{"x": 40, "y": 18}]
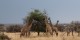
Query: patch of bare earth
[{"x": 34, "y": 36}]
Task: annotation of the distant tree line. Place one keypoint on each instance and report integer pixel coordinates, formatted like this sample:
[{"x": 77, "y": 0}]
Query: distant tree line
[{"x": 13, "y": 28}]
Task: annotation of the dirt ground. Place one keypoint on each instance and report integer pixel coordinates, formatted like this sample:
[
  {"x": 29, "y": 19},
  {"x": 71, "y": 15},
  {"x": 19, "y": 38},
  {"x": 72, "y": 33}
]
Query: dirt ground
[{"x": 34, "y": 36}]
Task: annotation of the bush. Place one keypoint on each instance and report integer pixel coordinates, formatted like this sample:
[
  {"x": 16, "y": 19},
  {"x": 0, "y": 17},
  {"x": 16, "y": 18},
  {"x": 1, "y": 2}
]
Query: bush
[{"x": 4, "y": 37}]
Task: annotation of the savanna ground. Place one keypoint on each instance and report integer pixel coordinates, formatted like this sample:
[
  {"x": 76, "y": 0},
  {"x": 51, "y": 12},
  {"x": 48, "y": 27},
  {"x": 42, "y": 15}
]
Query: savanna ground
[{"x": 62, "y": 36}]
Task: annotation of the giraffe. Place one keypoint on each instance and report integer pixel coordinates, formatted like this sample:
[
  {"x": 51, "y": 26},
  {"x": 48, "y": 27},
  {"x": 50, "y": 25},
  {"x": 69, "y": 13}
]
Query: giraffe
[
  {"x": 48, "y": 26},
  {"x": 54, "y": 27},
  {"x": 26, "y": 29},
  {"x": 23, "y": 31}
]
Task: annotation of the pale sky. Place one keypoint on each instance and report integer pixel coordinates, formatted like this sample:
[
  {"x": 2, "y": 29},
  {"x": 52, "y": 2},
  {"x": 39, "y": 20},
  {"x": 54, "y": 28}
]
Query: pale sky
[{"x": 13, "y": 11}]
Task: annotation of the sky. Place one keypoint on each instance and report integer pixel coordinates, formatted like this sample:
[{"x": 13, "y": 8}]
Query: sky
[{"x": 13, "y": 11}]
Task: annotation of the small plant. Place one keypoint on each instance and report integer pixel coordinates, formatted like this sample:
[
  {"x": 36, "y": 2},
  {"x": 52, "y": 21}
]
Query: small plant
[{"x": 4, "y": 37}]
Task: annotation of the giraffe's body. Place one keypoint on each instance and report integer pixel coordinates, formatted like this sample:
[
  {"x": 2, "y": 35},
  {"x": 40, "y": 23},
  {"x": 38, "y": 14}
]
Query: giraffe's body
[
  {"x": 49, "y": 29},
  {"x": 25, "y": 30},
  {"x": 48, "y": 26},
  {"x": 54, "y": 29}
]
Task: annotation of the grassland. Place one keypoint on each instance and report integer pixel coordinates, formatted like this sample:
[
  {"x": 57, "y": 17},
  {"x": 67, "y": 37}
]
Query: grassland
[{"x": 33, "y": 36}]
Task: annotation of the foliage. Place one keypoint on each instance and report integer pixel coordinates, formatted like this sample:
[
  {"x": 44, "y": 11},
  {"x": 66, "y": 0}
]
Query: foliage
[{"x": 36, "y": 15}]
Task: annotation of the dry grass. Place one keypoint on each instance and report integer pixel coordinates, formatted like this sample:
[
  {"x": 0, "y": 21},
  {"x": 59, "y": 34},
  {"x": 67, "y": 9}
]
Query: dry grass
[{"x": 62, "y": 36}]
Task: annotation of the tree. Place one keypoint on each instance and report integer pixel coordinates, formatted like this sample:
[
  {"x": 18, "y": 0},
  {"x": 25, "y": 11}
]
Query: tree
[{"x": 38, "y": 16}]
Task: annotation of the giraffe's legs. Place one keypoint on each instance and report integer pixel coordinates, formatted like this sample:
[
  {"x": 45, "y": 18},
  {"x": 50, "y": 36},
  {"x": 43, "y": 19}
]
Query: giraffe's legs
[
  {"x": 72, "y": 33},
  {"x": 68, "y": 33}
]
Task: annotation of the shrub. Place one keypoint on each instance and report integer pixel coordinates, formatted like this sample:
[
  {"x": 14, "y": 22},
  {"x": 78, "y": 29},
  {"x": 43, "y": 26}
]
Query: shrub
[{"x": 4, "y": 37}]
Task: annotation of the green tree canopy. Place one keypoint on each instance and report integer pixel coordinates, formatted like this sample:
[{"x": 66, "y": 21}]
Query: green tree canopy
[{"x": 36, "y": 15}]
